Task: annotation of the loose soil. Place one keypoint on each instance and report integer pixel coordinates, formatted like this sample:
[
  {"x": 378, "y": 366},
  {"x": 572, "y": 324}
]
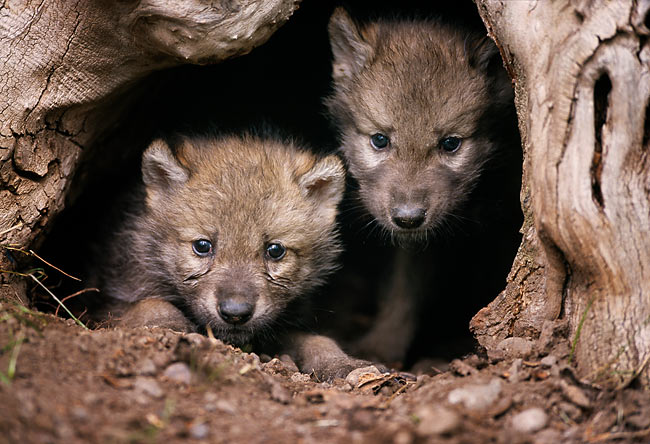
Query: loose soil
[{"x": 62, "y": 383}]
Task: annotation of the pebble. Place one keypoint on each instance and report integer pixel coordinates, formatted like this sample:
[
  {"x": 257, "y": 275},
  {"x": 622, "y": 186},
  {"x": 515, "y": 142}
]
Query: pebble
[
  {"x": 179, "y": 372},
  {"x": 146, "y": 367},
  {"x": 476, "y": 397},
  {"x": 355, "y": 375},
  {"x": 530, "y": 420},
  {"x": 548, "y": 436},
  {"x": 148, "y": 386},
  {"x": 516, "y": 347},
  {"x": 436, "y": 420},
  {"x": 199, "y": 430},
  {"x": 575, "y": 395},
  {"x": 548, "y": 361},
  {"x": 225, "y": 407},
  {"x": 300, "y": 377},
  {"x": 515, "y": 371},
  {"x": 288, "y": 363}
]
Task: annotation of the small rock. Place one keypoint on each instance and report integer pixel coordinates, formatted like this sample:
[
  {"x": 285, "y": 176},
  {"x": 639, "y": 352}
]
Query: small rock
[
  {"x": 548, "y": 436},
  {"x": 514, "y": 372},
  {"x": 515, "y": 347},
  {"x": 226, "y": 407},
  {"x": 346, "y": 387},
  {"x": 575, "y": 395},
  {"x": 288, "y": 363},
  {"x": 548, "y": 361},
  {"x": 146, "y": 367},
  {"x": 275, "y": 367},
  {"x": 179, "y": 372},
  {"x": 195, "y": 338},
  {"x": 462, "y": 368},
  {"x": 300, "y": 377},
  {"x": 355, "y": 375},
  {"x": 476, "y": 397},
  {"x": 148, "y": 386},
  {"x": 530, "y": 420},
  {"x": 553, "y": 333},
  {"x": 436, "y": 420},
  {"x": 199, "y": 430},
  {"x": 264, "y": 358}
]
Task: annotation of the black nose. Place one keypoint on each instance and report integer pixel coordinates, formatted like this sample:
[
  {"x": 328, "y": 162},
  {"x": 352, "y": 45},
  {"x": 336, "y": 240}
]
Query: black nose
[
  {"x": 408, "y": 216},
  {"x": 234, "y": 312}
]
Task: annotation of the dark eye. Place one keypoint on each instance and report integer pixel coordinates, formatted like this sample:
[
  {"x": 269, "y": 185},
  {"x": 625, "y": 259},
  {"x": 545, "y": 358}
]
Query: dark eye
[
  {"x": 275, "y": 251},
  {"x": 450, "y": 144},
  {"x": 202, "y": 247},
  {"x": 379, "y": 141}
]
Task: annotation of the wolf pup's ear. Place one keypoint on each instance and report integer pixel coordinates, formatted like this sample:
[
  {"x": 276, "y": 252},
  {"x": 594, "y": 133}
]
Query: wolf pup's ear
[
  {"x": 161, "y": 171},
  {"x": 351, "y": 51},
  {"x": 484, "y": 56},
  {"x": 324, "y": 184}
]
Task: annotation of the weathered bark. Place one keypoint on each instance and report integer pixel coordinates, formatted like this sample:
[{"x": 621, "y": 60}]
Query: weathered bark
[
  {"x": 64, "y": 62},
  {"x": 581, "y": 73}
]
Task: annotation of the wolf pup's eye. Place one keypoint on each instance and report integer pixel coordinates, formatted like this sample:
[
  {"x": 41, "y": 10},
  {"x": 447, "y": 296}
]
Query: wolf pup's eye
[
  {"x": 379, "y": 141},
  {"x": 202, "y": 247},
  {"x": 275, "y": 251},
  {"x": 450, "y": 144}
]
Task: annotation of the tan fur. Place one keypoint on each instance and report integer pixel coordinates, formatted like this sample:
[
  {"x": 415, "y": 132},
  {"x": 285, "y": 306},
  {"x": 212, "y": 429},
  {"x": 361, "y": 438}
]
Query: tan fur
[{"x": 240, "y": 194}]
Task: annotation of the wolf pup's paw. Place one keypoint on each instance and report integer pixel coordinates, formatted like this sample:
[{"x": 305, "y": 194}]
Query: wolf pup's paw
[
  {"x": 341, "y": 367},
  {"x": 156, "y": 313}
]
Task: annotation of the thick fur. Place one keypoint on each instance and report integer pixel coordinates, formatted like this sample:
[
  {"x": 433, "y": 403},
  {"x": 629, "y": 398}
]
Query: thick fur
[
  {"x": 240, "y": 194},
  {"x": 419, "y": 82}
]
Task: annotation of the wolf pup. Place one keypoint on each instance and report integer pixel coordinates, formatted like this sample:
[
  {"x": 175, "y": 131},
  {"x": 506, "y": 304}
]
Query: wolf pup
[
  {"x": 423, "y": 110},
  {"x": 226, "y": 234}
]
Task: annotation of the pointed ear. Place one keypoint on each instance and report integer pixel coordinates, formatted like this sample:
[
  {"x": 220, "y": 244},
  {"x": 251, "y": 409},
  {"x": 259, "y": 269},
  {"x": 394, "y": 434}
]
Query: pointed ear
[
  {"x": 161, "y": 171},
  {"x": 484, "y": 56},
  {"x": 324, "y": 183},
  {"x": 351, "y": 52},
  {"x": 482, "y": 52}
]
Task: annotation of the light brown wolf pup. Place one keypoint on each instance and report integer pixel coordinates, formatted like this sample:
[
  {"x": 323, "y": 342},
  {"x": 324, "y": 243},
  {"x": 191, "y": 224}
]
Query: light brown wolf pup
[
  {"x": 230, "y": 233},
  {"x": 424, "y": 109}
]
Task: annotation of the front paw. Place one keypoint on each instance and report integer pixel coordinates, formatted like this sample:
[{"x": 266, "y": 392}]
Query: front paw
[
  {"x": 342, "y": 367},
  {"x": 156, "y": 313}
]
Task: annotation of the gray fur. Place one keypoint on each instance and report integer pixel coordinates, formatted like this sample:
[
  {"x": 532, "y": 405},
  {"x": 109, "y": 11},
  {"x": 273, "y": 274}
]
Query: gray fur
[
  {"x": 416, "y": 82},
  {"x": 240, "y": 193}
]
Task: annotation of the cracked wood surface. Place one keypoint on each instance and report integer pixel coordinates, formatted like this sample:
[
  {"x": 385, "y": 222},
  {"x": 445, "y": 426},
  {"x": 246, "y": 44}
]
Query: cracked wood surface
[
  {"x": 63, "y": 65},
  {"x": 587, "y": 180}
]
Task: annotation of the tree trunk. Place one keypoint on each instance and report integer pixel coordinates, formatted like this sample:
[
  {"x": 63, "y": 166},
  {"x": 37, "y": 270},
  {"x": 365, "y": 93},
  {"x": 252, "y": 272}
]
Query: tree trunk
[
  {"x": 581, "y": 75},
  {"x": 63, "y": 65}
]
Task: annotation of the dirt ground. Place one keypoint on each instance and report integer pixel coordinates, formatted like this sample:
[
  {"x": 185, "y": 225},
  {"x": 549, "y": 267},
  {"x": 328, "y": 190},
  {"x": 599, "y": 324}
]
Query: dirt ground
[{"x": 62, "y": 383}]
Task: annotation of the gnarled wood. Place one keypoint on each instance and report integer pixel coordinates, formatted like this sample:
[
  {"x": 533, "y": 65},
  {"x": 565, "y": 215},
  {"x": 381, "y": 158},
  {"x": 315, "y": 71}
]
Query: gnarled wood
[
  {"x": 581, "y": 71},
  {"x": 63, "y": 62}
]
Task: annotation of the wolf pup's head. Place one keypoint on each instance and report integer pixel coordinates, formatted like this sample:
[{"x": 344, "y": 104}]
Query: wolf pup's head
[
  {"x": 419, "y": 106},
  {"x": 236, "y": 228}
]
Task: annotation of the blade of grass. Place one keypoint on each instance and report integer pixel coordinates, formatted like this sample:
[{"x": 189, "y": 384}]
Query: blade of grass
[
  {"x": 11, "y": 370},
  {"x": 58, "y": 301},
  {"x": 32, "y": 253},
  {"x": 579, "y": 329}
]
